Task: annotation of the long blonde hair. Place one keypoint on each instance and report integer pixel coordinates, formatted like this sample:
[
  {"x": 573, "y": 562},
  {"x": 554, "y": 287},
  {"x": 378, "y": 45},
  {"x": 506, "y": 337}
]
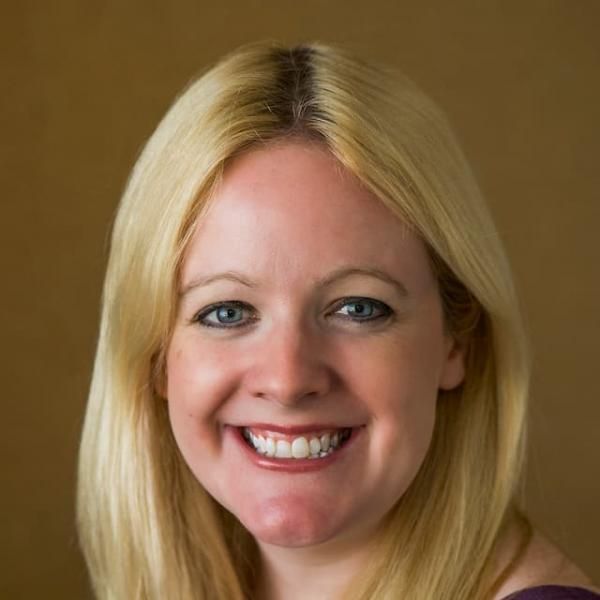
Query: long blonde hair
[{"x": 147, "y": 528}]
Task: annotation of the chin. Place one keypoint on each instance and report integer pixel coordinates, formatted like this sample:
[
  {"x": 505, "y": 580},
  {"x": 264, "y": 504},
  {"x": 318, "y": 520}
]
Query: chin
[{"x": 293, "y": 524}]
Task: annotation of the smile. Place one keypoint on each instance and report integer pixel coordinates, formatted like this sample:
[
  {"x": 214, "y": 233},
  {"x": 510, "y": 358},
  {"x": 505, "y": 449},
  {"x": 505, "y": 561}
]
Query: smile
[{"x": 313, "y": 445}]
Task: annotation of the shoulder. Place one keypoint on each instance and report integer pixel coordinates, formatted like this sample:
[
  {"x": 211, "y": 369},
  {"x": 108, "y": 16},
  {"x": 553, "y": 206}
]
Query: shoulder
[
  {"x": 544, "y": 572},
  {"x": 554, "y": 592}
]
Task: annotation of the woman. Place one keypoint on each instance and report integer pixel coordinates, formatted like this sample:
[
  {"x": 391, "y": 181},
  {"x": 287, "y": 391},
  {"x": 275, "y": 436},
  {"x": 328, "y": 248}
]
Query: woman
[{"x": 311, "y": 376}]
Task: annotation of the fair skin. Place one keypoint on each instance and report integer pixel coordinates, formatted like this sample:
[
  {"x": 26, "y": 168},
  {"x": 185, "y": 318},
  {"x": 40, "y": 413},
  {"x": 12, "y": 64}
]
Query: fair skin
[
  {"x": 542, "y": 564},
  {"x": 306, "y": 311},
  {"x": 342, "y": 328}
]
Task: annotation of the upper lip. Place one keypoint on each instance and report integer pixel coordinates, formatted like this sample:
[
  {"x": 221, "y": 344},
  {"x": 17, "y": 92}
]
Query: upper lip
[{"x": 296, "y": 429}]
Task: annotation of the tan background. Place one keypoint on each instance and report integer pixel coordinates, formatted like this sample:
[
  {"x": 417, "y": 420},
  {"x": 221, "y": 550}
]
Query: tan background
[{"x": 83, "y": 85}]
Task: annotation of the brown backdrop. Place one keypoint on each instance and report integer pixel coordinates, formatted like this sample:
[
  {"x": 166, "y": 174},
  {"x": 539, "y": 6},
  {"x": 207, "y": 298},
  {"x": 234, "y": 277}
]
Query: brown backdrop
[{"x": 83, "y": 85}]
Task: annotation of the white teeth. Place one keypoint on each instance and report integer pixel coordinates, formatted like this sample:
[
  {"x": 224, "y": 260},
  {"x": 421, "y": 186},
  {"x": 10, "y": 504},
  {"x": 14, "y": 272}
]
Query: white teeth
[
  {"x": 283, "y": 449},
  {"x": 300, "y": 447},
  {"x": 270, "y": 447},
  {"x": 314, "y": 446},
  {"x": 262, "y": 444}
]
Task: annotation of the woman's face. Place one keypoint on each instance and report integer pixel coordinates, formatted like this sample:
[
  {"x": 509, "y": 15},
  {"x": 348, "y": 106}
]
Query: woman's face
[{"x": 308, "y": 316}]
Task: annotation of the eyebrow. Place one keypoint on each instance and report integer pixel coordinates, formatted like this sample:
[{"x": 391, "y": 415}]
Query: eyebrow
[
  {"x": 235, "y": 276},
  {"x": 329, "y": 279},
  {"x": 344, "y": 272}
]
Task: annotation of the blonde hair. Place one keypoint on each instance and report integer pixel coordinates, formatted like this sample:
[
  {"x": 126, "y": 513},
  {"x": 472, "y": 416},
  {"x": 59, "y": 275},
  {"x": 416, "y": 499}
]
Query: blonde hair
[{"x": 148, "y": 529}]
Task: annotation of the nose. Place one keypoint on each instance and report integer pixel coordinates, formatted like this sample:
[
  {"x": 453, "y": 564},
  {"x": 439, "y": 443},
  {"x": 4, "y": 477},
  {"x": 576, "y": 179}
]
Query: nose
[{"x": 290, "y": 367}]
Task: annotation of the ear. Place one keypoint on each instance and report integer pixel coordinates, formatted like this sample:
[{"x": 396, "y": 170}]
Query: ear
[{"x": 453, "y": 369}]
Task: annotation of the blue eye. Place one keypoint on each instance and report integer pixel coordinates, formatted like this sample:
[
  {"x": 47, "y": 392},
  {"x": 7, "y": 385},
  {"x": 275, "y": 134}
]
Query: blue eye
[
  {"x": 223, "y": 315},
  {"x": 362, "y": 309},
  {"x": 233, "y": 314}
]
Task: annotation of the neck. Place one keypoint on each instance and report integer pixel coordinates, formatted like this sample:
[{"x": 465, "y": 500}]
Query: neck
[{"x": 323, "y": 571}]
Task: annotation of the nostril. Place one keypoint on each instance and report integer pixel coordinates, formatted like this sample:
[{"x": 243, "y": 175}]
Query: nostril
[{"x": 282, "y": 376}]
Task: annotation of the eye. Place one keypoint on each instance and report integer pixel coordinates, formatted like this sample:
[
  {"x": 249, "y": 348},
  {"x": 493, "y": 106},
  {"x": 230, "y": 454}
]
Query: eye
[
  {"x": 224, "y": 315},
  {"x": 362, "y": 310}
]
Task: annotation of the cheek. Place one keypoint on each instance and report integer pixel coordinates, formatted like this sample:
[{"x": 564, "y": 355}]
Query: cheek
[
  {"x": 196, "y": 381},
  {"x": 404, "y": 417},
  {"x": 198, "y": 378},
  {"x": 399, "y": 386},
  {"x": 398, "y": 377}
]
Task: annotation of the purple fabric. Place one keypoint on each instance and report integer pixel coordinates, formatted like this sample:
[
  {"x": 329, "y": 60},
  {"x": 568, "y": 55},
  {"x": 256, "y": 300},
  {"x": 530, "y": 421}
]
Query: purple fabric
[{"x": 554, "y": 592}]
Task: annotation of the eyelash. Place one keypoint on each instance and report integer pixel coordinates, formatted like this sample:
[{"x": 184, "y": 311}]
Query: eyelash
[{"x": 384, "y": 309}]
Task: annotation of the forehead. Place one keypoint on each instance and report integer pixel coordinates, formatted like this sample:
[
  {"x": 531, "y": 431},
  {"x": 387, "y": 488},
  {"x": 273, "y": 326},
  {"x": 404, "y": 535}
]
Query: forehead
[{"x": 292, "y": 205}]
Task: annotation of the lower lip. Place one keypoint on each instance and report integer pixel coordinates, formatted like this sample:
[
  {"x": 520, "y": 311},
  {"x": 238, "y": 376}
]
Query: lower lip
[{"x": 294, "y": 465}]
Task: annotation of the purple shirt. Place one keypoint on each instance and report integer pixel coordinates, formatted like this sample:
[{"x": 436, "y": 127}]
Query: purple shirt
[{"x": 554, "y": 592}]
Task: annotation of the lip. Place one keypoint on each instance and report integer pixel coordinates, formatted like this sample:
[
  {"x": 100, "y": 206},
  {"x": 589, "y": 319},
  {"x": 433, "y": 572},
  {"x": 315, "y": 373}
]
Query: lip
[
  {"x": 293, "y": 465},
  {"x": 296, "y": 429}
]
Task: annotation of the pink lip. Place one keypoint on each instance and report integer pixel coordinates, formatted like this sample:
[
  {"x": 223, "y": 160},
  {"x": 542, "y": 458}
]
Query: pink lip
[
  {"x": 296, "y": 429},
  {"x": 293, "y": 465}
]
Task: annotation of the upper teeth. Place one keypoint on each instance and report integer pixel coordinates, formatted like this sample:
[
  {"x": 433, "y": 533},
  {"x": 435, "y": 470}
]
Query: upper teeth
[{"x": 311, "y": 446}]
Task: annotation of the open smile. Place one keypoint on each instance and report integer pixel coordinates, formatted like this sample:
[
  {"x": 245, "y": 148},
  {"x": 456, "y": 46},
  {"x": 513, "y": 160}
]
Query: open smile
[
  {"x": 315, "y": 444},
  {"x": 295, "y": 449}
]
